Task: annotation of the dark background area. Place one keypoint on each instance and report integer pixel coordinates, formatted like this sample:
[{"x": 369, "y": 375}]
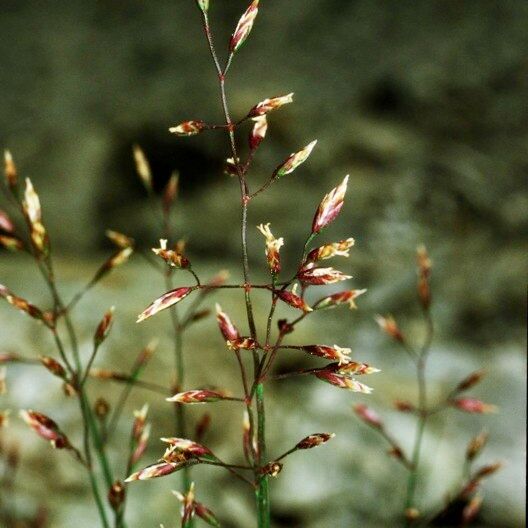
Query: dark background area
[{"x": 424, "y": 104}]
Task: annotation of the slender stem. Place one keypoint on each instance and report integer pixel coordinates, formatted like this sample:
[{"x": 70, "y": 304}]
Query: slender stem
[{"x": 423, "y": 414}]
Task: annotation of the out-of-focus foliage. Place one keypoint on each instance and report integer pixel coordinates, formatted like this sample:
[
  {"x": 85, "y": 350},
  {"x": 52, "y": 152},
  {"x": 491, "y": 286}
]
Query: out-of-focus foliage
[{"x": 423, "y": 103}]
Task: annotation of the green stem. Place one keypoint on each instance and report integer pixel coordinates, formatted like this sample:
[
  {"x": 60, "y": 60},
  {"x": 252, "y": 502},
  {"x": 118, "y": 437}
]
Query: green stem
[{"x": 262, "y": 492}]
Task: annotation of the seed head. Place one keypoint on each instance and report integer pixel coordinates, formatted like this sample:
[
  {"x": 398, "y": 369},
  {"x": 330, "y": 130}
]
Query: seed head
[
  {"x": 165, "y": 301},
  {"x": 341, "y": 381},
  {"x": 53, "y": 366},
  {"x": 369, "y": 416},
  {"x": 316, "y": 276},
  {"x": 142, "y": 167},
  {"x": 227, "y": 328},
  {"x": 314, "y": 440},
  {"x": 294, "y": 160},
  {"x": 273, "y": 246},
  {"x": 268, "y": 105},
  {"x": 46, "y": 428},
  {"x": 103, "y": 329},
  {"x": 293, "y": 300},
  {"x": 244, "y": 26},
  {"x": 258, "y": 133},
  {"x": 330, "y": 207},
  {"x": 187, "y": 128}
]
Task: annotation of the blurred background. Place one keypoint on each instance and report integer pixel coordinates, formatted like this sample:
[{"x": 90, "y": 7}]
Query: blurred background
[{"x": 424, "y": 104}]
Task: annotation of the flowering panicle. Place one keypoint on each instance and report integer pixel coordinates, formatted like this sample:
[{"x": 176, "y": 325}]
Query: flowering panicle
[
  {"x": 142, "y": 167},
  {"x": 268, "y": 105},
  {"x": 330, "y": 207},
  {"x": 258, "y": 132},
  {"x": 312, "y": 275},
  {"x": 294, "y": 160},
  {"x": 273, "y": 246},
  {"x": 244, "y": 26},
  {"x": 187, "y": 128},
  {"x": 171, "y": 257},
  {"x": 327, "y": 251},
  {"x": 33, "y": 213},
  {"x": 336, "y": 299},
  {"x": 165, "y": 301}
]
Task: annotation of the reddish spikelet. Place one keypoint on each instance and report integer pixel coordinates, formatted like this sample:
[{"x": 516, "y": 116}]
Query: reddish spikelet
[
  {"x": 244, "y": 26},
  {"x": 341, "y": 381},
  {"x": 471, "y": 510},
  {"x": 187, "y": 128},
  {"x": 119, "y": 239},
  {"x": 12, "y": 243},
  {"x": 351, "y": 368},
  {"x": 103, "y": 329},
  {"x": 160, "y": 469},
  {"x": 165, "y": 301},
  {"x": 293, "y": 300},
  {"x": 294, "y": 160},
  {"x": 472, "y": 405},
  {"x": 141, "y": 445},
  {"x": 7, "y": 357},
  {"x": 330, "y": 207},
  {"x": 46, "y": 428},
  {"x": 187, "y": 447},
  {"x": 6, "y": 224},
  {"x": 258, "y": 132},
  {"x": 33, "y": 214},
  {"x": 116, "y": 495},
  {"x": 344, "y": 297},
  {"x": 170, "y": 192},
  {"x": 424, "y": 272},
  {"x": 22, "y": 305},
  {"x": 476, "y": 445},
  {"x": 327, "y": 352},
  {"x": 140, "y": 420},
  {"x": 317, "y": 276},
  {"x": 471, "y": 380},
  {"x": 273, "y": 246},
  {"x": 486, "y": 471},
  {"x": 390, "y": 327},
  {"x": 171, "y": 257},
  {"x": 198, "y": 396},
  {"x": 188, "y": 505},
  {"x": 314, "y": 440},
  {"x": 10, "y": 170},
  {"x": 53, "y": 366},
  {"x": 268, "y": 105},
  {"x": 227, "y": 328},
  {"x": 336, "y": 249},
  {"x": 4, "y": 419},
  {"x": 242, "y": 343},
  {"x": 106, "y": 374},
  {"x": 404, "y": 406},
  {"x": 369, "y": 416},
  {"x": 142, "y": 167},
  {"x": 271, "y": 469},
  {"x": 206, "y": 514}
]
